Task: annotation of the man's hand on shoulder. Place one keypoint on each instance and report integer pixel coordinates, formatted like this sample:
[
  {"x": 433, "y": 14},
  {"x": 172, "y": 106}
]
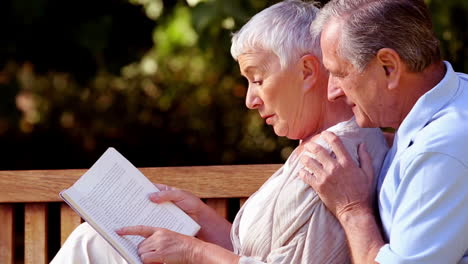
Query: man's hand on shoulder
[
  {"x": 347, "y": 190},
  {"x": 342, "y": 184}
]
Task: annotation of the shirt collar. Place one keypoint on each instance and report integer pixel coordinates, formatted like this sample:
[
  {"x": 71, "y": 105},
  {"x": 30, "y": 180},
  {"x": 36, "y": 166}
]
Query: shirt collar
[{"x": 426, "y": 107}]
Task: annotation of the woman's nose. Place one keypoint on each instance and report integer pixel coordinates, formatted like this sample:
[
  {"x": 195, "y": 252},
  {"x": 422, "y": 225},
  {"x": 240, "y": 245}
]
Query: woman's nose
[{"x": 252, "y": 100}]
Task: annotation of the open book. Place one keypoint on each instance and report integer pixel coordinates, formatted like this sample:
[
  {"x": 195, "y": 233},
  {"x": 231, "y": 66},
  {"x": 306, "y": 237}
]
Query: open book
[{"x": 112, "y": 194}]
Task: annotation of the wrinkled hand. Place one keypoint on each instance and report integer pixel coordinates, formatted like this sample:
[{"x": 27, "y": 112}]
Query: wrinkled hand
[
  {"x": 341, "y": 184},
  {"x": 214, "y": 227},
  {"x": 185, "y": 200},
  {"x": 162, "y": 245}
]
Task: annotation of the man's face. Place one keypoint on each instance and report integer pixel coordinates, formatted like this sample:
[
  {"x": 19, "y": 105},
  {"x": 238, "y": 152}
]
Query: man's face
[{"x": 363, "y": 91}]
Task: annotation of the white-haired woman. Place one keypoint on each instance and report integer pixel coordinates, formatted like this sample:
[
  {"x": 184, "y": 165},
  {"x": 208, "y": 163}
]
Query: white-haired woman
[{"x": 284, "y": 221}]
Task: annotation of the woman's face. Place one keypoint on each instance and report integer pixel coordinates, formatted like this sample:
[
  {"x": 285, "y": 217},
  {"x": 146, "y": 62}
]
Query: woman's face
[{"x": 280, "y": 95}]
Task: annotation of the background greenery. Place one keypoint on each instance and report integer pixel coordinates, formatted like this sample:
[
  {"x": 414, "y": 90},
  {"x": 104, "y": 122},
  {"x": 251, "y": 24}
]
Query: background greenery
[{"x": 152, "y": 78}]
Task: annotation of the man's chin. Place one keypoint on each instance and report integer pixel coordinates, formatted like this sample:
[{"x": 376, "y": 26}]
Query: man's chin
[{"x": 364, "y": 122}]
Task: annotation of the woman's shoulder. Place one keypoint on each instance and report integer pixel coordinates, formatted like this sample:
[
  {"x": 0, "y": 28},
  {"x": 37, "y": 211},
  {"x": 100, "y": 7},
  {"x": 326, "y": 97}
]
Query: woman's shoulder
[
  {"x": 351, "y": 130},
  {"x": 352, "y": 135}
]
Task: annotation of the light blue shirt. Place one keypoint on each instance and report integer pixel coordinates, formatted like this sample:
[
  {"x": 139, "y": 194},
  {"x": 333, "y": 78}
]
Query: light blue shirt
[{"x": 423, "y": 184}]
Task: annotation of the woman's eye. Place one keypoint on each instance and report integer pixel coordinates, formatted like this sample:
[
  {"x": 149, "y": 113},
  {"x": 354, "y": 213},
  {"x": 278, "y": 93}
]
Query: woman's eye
[{"x": 258, "y": 82}]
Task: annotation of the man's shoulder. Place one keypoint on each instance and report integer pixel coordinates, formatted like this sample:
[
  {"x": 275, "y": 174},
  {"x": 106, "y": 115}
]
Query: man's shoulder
[
  {"x": 446, "y": 133},
  {"x": 463, "y": 77}
]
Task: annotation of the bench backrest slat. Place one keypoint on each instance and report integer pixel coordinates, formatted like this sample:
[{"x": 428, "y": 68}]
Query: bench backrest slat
[
  {"x": 35, "y": 233},
  {"x": 224, "y": 188},
  {"x": 204, "y": 181},
  {"x": 69, "y": 220},
  {"x": 6, "y": 234},
  {"x": 220, "y": 205}
]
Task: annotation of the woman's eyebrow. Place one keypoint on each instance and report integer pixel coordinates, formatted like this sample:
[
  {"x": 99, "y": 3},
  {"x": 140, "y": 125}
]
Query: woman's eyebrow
[{"x": 250, "y": 69}]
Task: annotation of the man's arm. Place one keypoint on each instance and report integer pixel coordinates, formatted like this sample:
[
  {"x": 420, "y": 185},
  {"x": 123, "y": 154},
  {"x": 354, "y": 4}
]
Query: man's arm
[
  {"x": 426, "y": 205},
  {"x": 363, "y": 234},
  {"x": 427, "y": 210}
]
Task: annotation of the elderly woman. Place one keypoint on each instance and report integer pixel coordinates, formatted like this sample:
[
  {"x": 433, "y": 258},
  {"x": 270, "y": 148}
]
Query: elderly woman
[{"x": 284, "y": 221}]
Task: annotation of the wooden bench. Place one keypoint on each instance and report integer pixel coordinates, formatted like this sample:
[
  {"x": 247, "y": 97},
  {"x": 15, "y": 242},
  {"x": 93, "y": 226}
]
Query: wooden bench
[{"x": 30, "y": 208}]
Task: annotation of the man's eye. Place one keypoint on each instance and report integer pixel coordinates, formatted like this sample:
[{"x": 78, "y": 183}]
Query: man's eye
[
  {"x": 338, "y": 75},
  {"x": 258, "y": 82}
]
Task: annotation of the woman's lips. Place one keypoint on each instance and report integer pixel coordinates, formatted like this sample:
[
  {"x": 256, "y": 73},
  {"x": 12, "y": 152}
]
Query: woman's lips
[{"x": 268, "y": 119}]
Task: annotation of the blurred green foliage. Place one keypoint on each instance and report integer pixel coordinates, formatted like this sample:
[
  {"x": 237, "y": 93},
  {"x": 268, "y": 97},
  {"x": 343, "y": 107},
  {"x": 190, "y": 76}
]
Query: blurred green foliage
[
  {"x": 450, "y": 19},
  {"x": 152, "y": 78}
]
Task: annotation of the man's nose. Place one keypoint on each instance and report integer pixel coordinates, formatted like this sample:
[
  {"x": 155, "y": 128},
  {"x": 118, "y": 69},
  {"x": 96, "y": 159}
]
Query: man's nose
[
  {"x": 252, "y": 100},
  {"x": 334, "y": 90}
]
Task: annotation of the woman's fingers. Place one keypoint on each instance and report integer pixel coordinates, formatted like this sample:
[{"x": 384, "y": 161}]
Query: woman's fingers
[
  {"x": 161, "y": 245},
  {"x": 186, "y": 201},
  {"x": 173, "y": 195},
  {"x": 139, "y": 230},
  {"x": 151, "y": 257},
  {"x": 164, "y": 187}
]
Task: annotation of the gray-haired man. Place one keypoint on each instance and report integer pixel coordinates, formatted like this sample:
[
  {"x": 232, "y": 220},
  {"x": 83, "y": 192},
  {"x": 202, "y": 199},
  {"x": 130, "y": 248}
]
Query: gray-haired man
[{"x": 384, "y": 60}]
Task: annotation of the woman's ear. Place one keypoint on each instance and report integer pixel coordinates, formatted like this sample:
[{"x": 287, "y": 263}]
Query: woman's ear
[
  {"x": 391, "y": 65},
  {"x": 310, "y": 67}
]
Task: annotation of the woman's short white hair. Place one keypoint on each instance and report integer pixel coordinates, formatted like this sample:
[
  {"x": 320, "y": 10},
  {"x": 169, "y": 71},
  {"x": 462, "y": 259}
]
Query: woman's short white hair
[{"x": 283, "y": 29}]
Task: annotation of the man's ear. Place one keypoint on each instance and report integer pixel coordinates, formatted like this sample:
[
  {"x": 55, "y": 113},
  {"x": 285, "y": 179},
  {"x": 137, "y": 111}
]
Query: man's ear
[
  {"x": 310, "y": 67},
  {"x": 391, "y": 64}
]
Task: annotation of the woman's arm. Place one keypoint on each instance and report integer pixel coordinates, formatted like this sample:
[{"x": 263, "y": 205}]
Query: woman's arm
[
  {"x": 165, "y": 246},
  {"x": 214, "y": 228}
]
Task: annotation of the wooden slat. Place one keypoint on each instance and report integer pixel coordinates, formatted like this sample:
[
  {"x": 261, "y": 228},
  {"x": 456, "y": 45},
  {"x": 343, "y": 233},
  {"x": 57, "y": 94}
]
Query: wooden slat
[
  {"x": 69, "y": 220},
  {"x": 203, "y": 181},
  {"x": 35, "y": 233},
  {"x": 6, "y": 234},
  {"x": 242, "y": 201},
  {"x": 220, "y": 205}
]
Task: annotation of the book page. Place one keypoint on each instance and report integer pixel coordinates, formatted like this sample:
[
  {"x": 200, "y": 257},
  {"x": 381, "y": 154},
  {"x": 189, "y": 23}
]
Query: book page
[{"x": 113, "y": 194}]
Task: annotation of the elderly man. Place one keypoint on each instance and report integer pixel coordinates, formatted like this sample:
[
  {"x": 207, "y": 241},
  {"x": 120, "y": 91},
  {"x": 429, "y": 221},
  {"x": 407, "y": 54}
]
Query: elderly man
[{"x": 385, "y": 62}]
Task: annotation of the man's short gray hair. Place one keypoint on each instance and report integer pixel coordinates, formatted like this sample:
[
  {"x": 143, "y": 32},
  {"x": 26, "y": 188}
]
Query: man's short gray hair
[
  {"x": 370, "y": 25},
  {"x": 283, "y": 28}
]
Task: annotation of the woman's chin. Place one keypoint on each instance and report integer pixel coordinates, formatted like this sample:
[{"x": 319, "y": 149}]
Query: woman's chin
[
  {"x": 285, "y": 133},
  {"x": 279, "y": 131}
]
